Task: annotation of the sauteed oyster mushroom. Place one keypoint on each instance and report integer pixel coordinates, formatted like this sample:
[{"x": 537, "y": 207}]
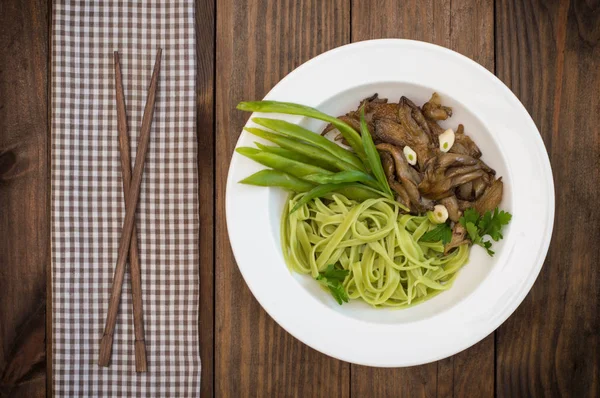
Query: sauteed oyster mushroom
[{"x": 446, "y": 171}]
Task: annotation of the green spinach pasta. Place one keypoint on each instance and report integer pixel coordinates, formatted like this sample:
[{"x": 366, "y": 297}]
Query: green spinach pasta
[{"x": 386, "y": 263}]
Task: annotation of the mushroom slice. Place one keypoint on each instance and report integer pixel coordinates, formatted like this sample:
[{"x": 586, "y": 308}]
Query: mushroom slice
[
  {"x": 434, "y": 110},
  {"x": 405, "y": 174},
  {"x": 388, "y": 168},
  {"x": 465, "y": 191},
  {"x": 418, "y": 116},
  {"x": 402, "y": 196},
  {"x": 391, "y": 132},
  {"x": 446, "y": 171},
  {"x": 464, "y": 204},
  {"x": 388, "y": 165},
  {"x": 448, "y": 159},
  {"x": 458, "y": 238},
  {"x": 464, "y": 144},
  {"x": 460, "y": 170},
  {"x": 388, "y": 131},
  {"x": 385, "y": 111},
  {"x": 406, "y": 118},
  {"x": 479, "y": 187},
  {"x": 451, "y": 204},
  {"x": 435, "y": 128},
  {"x": 491, "y": 197}
]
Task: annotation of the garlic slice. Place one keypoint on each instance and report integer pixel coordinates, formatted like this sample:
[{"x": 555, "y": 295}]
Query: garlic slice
[
  {"x": 439, "y": 214},
  {"x": 446, "y": 140},
  {"x": 411, "y": 156}
]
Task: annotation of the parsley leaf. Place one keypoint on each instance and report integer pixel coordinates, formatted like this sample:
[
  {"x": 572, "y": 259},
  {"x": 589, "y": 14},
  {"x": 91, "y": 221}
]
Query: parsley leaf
[
  {"x": 333, "y": 278},
  {"x": 486, "y": 245},
  {"x": 473, "y": 232},
  {"x": 486, "y": 220},
  {"x": 333, "y": 273},
  {"x": 491, "y": 224},
  {"x": 470, "y": 215},
  {"x": 441, "y": 232}
]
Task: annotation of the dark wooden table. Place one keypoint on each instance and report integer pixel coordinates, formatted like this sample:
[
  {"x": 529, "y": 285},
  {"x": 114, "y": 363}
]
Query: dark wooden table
[{"x": 547, "y": 52}]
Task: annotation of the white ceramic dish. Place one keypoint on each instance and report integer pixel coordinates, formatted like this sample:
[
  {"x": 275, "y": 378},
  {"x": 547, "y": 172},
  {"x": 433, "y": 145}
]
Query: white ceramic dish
[{"x": 487, "y": 289}]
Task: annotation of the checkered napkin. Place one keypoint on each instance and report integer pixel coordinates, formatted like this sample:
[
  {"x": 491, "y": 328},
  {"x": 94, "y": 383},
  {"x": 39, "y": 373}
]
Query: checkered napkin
[{"x": 88, "y": 205}]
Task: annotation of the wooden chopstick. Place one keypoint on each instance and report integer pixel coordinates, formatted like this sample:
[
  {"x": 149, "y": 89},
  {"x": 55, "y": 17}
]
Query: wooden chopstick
[
  {"x": 134, "y": 259},
  {"x": 131, "y": 200}
]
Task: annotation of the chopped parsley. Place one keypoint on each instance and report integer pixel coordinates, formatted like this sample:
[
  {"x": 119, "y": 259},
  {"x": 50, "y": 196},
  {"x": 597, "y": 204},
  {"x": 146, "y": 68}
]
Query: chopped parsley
[
  {"x": 490, "y": 224},
  {"x": 441, "y": 232},
  {"x": 333, "y": 278}
]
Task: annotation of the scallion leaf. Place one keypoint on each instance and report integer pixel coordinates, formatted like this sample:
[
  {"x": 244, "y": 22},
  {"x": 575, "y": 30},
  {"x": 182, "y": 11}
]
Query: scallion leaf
[{"x": 373, "y": 159}]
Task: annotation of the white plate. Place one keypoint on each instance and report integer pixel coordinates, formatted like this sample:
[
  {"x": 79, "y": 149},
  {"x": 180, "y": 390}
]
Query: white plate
[{"x": 487, "y": 289}]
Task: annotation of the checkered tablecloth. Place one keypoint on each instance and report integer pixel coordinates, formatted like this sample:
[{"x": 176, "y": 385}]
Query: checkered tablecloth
[{"x": 87, "y": 199}]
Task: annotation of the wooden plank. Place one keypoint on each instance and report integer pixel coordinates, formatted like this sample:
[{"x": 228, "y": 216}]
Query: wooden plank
[
  {"x": 466, "y": 26},
  {"x": 205, "y": 75},
  {"x": 469, "y": 373},
  {"x": 23, "y": 196},
  {"x": 427, "y": 20},
  {"x": 548, "y": 53},
  {"x": 416, "y": 381},
  {"x": 258, "y": 43}
]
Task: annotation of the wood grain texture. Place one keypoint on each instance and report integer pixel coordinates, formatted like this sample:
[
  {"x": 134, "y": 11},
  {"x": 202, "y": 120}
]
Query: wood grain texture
[
  {"x": 465, "y": 26},
  {"x": 548, "y": 53},
  {"x": 205, "y": 131},
  {"x": 24, "y": 217},
  {"x": 258, "y": 43}
]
